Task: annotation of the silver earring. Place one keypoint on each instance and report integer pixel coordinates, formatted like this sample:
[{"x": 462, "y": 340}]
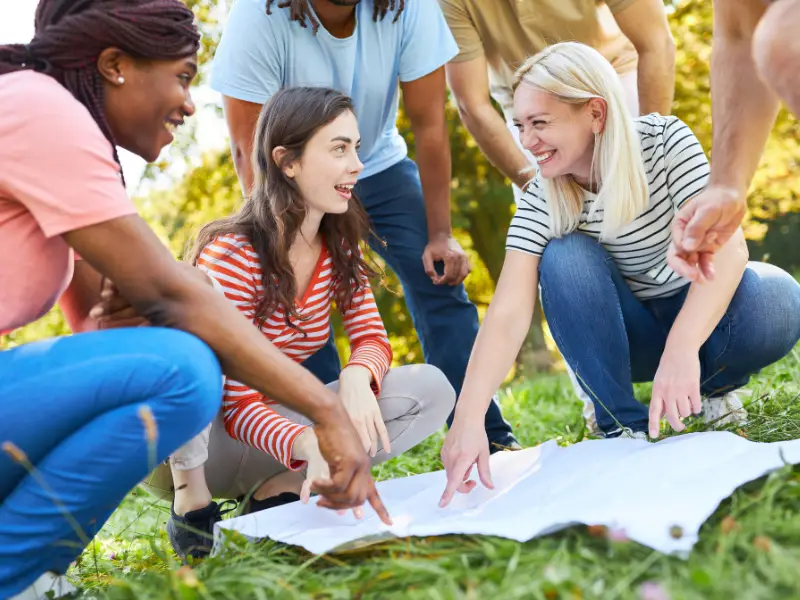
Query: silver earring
[{"x": 120, "y": 80}]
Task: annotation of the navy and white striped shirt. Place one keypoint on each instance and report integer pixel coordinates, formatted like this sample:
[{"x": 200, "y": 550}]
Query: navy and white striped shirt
[{"x": 677, "y": 169}]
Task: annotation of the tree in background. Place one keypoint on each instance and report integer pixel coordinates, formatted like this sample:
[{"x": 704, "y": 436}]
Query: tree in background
[{"x": 481, "y": 198}]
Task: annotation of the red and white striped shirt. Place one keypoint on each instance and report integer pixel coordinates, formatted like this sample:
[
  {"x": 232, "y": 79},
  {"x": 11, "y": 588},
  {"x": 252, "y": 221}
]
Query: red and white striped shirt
[{"x": 233, "y": 264}]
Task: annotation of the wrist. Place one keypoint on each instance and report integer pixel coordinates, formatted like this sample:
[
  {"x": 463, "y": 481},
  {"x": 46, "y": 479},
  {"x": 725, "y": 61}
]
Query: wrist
[
  {"x": 439, "y": 235},
  {"x": 355, "y": 374},
  {"x": 305, "y": 445},
  {"x": 466, "y": 414},
  {"x": 328, "y": 410},
  {"x": 681, "y": 343},
  {"x": 736, "y": 192}
]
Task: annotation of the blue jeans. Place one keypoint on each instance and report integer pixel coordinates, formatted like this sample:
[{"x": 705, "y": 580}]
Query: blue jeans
[
  {"x": 445, "y": 319},
  {"x": 72, "y": 405},
  {"x": 611, "y": 339}
]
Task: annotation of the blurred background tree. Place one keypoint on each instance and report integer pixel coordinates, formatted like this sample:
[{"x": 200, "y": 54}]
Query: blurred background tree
[{"x": 482, "y": 203}]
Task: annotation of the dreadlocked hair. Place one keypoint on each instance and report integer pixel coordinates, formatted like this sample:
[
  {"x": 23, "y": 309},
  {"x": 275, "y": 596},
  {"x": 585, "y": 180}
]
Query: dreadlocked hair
[
  {"x": 69, "y": 36},
  {"x": 300, "y": 10}
]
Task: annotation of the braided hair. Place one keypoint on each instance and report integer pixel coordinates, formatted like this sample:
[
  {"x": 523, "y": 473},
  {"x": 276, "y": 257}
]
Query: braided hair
[
  {"x": 300, "y": 11},
  {"x": 70, "y": 35}
]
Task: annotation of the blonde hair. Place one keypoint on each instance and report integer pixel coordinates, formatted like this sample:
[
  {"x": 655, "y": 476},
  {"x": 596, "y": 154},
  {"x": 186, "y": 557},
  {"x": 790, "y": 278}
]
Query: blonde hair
[{"x": 576, "y": 73}]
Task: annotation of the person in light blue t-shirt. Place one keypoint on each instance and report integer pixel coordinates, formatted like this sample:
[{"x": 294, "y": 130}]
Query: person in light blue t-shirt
[{"x": 365, "y": 48}]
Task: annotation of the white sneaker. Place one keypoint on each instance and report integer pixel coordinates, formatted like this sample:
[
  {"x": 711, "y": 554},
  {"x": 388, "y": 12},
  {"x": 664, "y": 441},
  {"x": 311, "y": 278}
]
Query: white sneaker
[
  {"x": 726, "y": 410},
  {"x": 628, "y": 434},
  {"x": 48, "y": 582}
]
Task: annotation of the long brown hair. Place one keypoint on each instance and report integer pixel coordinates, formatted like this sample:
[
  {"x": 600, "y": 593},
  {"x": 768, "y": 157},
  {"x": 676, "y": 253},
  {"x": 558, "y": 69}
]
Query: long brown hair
[
  {"x": 272, "y": 214},
  {"x": 69, "y": 36}
]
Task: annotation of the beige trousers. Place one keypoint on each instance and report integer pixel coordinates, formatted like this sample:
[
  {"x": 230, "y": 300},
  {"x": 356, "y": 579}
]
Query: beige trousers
[{"x": 415, "y": 402}]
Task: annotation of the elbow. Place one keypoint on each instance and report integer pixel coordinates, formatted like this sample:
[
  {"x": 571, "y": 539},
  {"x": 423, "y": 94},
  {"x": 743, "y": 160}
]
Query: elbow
[
  {"x": 670, "y": 49},
  {"x": 738, "y": 254},
  {"x": 661, "y": 46},
  {"x": 742, "y": 252},
  {"x": 241, "y": 164},
  {"x": 239, "y": 156},
  {"x": 469, "y": 113},
  {"x": 172, "y": 296}
]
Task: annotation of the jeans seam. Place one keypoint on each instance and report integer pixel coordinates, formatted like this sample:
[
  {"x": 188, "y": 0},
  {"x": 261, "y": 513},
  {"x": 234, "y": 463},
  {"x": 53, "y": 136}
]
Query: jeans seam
[{"x": 728, "y": 328}]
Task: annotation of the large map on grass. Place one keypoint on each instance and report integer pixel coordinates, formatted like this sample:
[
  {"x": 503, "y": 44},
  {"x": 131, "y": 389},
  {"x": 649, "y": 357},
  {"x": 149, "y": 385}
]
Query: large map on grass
[{"x": 657, "y": 494}]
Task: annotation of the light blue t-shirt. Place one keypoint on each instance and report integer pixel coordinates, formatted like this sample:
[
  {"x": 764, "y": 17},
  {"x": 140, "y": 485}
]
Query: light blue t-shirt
[{"x": 260, "y": 54}]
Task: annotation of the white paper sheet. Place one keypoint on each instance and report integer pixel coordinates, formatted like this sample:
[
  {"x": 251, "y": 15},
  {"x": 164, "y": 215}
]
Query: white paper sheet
[{"x": 639, "y": 487}]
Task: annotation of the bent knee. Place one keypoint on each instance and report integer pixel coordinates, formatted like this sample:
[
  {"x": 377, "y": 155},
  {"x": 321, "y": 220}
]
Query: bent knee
[
  {"x": 429, "y": 386},
  {"x": 195, "y": 372},
  {"x": 772, "y": 292},
  {"x": 573, "y": 250}
]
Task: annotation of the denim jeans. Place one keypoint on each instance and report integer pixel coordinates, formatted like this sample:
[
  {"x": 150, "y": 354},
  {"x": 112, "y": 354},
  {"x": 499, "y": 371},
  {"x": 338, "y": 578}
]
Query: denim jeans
[
  {"x": 72, "y": 406},
  {"x": 611, "y": 339},
  {"x": 445, "y": 319}
]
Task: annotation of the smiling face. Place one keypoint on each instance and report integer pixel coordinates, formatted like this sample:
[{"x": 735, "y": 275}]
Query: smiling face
[
  {"x": 329, "y": 166},
  {"x": 151, "y": 101},
  {"x": 560, "y": 135}
]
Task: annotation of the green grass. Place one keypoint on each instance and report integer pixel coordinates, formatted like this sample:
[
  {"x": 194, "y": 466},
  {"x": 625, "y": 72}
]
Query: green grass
[{"x": 750, "y": 548}]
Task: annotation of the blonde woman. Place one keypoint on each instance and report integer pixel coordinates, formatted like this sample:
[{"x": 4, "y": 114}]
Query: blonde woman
[{"x": 593, "y": 229}]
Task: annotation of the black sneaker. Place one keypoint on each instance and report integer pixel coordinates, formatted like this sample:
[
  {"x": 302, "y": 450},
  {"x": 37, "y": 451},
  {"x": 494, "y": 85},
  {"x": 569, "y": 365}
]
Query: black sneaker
[
  {"x": 193, "y": 534},
  {"x": 254, "y": 505}
]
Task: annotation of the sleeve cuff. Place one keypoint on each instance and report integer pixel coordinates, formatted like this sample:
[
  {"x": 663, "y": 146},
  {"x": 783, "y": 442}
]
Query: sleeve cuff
[
  {"x": 468, "y": 54},
  {"x": 421, "y": 72},
  {"x": 256, "y": 97},
  {"x": 377, "y": 367},
  {"x": 289, "y": 462}
]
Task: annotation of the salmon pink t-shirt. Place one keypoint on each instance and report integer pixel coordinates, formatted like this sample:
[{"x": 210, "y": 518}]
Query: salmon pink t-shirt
[{"x": 57, "y": 174}]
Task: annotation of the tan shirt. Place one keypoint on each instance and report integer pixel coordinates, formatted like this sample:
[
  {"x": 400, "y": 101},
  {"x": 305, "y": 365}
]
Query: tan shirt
[{"x": 507, "y": 32}]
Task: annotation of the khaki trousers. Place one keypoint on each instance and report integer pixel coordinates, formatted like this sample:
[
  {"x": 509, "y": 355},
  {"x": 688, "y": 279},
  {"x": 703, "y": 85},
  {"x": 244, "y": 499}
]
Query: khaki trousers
[{"x": 415, "y": 402}]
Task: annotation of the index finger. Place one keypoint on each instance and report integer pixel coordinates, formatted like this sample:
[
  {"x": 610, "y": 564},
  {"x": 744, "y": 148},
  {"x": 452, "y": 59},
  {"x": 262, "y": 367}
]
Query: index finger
[
  {"x": 452, "y": 268},
  {"x": 455, "y": 477},
  {"x": 673, "y": 415},
  {"x": 383, "y": 433},
  {"x": 334, "y": 497},
  {"x": 427, "y": 263},
  {"x": 681, "y": 264},
  {"x": 698, "y": 227},
  {"x": 343, "y": 489},
  {"x": 679, "y": 228},
  {"x": 376, "y": 503},
  {"x": 656, "y": 410}
]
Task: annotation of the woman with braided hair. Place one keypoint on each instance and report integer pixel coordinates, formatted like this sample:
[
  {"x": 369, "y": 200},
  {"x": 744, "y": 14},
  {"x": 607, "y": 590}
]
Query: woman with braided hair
[{"x": 84, "y": 417}]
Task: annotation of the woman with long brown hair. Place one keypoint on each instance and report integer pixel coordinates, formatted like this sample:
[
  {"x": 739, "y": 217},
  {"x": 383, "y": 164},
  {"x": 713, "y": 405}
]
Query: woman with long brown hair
[{"x": 288, "y": 255}]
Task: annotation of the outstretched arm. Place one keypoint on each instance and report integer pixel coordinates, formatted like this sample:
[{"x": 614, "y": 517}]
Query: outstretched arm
[
  {"x": 499, "y": 340},
  {"x": 743, "y": 111}
]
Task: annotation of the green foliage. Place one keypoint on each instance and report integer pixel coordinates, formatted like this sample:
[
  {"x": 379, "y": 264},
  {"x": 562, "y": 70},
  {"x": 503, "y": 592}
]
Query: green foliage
[
  {"x": 749, "y": 548},
  {"x": 482, "y": 202}
]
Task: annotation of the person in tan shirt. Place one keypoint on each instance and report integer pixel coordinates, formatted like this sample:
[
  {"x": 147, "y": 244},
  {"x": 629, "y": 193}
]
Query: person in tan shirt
[{"x": 495, "y": 37}]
